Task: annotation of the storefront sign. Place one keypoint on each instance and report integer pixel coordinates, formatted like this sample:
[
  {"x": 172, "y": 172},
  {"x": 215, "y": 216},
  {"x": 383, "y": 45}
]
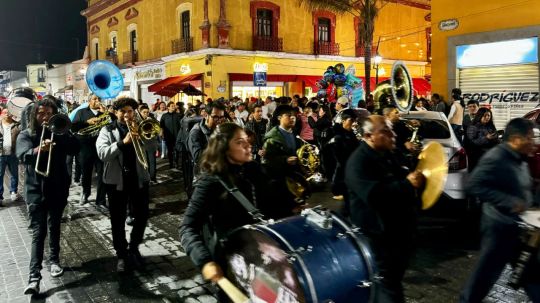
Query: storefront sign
[
  {"x": 521, "y": 51},
  {"x": 260, "y": 67},
  {"x": 259, "y": 79},
  {"x": 502, "y": 97},
  {"x": 448, "y": 25},
  {"x": 150, "y": 73},
  {"x": 185, "y": 69}
]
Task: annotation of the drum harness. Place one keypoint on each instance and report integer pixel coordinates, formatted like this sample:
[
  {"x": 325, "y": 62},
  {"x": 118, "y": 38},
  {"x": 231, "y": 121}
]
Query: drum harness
[{"x": 252, "y": 210}]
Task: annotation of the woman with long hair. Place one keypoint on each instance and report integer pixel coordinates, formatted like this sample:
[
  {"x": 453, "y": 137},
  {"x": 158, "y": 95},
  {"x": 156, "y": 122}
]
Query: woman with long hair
[
  {"x": 482, "y": 135},
  {"x": 213, "y": 212}
]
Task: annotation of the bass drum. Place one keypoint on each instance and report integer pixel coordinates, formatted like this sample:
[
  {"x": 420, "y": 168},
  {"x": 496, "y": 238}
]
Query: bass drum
[{"x": 315, "y": 257}]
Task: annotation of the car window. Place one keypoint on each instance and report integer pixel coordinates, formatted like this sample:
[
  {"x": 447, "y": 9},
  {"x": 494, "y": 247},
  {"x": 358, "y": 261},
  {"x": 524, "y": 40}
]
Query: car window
[{"x": 433, "y": 129}]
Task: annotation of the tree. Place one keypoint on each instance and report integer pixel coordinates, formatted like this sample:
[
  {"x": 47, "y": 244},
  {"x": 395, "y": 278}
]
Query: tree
[{"x": 367, "y": 11}]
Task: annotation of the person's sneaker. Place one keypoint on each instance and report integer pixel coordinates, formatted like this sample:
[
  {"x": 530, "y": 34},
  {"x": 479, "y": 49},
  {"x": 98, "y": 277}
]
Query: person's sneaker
[
  {"x": 339, "y": 198},
  {"x": 32, "y": 288},
  {"x": 15, "y": 197},
  {"x": 56, "y": 270},
  {"x": 121, "y": 265}
]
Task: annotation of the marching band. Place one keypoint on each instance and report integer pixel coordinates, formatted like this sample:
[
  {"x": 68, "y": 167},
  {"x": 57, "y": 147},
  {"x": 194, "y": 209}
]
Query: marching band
[{"x": 249, "y": 180}]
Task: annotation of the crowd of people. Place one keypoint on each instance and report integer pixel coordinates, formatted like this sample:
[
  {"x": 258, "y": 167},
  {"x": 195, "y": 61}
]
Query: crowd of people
[{"x": 233, "y": 151}]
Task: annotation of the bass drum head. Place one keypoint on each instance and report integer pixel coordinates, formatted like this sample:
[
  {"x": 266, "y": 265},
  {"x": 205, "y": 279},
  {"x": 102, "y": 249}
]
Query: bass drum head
[{"x": 259, "y": 265}]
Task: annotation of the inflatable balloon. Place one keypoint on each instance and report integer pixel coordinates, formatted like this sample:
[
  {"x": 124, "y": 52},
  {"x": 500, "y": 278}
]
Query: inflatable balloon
[
  {"x": 357, "y": 95},
  {"x": 329, "y": 76},
  {"x": 321, "y": 94},
  {"x": 331, "y": 93},
  {"x": 322, "y": 84},
  {"x": 340, "y": 79},
  {"x": 339, "y": 68},
  {"x": 353, "y": 81},
  {"x": 331, "y": 69}
]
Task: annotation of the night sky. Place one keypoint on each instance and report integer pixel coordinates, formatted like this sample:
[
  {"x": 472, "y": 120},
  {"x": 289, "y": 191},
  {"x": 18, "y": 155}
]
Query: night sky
[{"x": 35, "y": 31}]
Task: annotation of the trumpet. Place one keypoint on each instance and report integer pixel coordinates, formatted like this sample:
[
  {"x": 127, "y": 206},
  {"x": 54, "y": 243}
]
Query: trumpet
[
  {"x": 58, "y": 124},
  {"x": 147, "y": 129},
  {"x": 93, "y": 130}
]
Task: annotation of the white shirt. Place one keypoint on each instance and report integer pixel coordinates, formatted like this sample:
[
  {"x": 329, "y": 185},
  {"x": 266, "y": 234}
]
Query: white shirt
[
  {"x": 244, "y": 114},
  {"x": 94, "y": 111},
  {"x": 7, "y": 139}
]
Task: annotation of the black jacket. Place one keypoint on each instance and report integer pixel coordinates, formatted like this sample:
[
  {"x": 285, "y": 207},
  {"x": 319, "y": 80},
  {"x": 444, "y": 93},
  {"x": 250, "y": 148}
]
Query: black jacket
[
  {"x": 214, "y": 212},
  {"x": 57, "y": 183},
  {"x": 197, "y": 142},
  {"x": 382, "y": 201},
  {"x": 170, "y": 124},
  {"x": 88, "y": 143},
  {"x": 259, "y": 128},
  {"x": 186, "y": 124}
]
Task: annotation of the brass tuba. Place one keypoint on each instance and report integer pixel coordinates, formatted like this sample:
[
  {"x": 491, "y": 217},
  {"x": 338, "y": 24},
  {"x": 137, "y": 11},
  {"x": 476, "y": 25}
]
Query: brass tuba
[{"x": 397, "y": 89}]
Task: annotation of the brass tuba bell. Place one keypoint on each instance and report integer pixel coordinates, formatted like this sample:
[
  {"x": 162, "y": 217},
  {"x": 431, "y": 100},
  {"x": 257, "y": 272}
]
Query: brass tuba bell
[{"x": 397, "y": 89}]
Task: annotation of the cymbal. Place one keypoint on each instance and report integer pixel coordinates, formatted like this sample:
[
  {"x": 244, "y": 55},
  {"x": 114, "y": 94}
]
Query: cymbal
[{"x": 434, "y": 166}]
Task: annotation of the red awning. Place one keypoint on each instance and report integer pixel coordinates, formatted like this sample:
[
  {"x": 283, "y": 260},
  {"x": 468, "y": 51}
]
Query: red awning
[{"x": 172, "y": 83}]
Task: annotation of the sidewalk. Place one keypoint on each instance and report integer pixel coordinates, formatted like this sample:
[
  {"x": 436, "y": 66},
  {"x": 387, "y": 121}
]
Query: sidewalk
[{"x": 436, "y": 275}]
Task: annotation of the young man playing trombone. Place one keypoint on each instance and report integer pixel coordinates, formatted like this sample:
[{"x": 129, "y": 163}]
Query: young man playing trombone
[
  {"x": 126, "y": 178},
  {"x": 46, "y": 182}
]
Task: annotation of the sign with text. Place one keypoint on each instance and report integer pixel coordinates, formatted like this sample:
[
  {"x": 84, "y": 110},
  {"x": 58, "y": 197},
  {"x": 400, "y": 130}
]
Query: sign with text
[
  {"x": 150, "y": 73},
  {"x": 259, "y": 78},
  {"x": 502, "y": 97}
]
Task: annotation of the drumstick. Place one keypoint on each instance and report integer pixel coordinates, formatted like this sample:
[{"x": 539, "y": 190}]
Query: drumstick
[{"x": 232, "y": 291}]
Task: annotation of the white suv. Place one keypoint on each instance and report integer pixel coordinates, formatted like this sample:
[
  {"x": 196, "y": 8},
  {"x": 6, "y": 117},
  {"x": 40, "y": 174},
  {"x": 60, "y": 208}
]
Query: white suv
[{"x": 435, "y": 127}]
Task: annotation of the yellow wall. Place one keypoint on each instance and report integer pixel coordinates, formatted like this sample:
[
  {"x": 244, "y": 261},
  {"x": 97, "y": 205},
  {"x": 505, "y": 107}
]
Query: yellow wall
[
  {"x": 297, "y": 29},
  {"x": 158, "y": 24},
  {"x": 474, "y": 17}
]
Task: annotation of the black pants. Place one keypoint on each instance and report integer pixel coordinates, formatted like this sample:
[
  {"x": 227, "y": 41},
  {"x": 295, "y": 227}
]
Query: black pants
[
  {"x": 78, "y": 170},
  {"x": 45, "y": 215},
  {"x": 500, "y": 243},
  {"x": 89, "y": 159},
  {"x": 172, "y": 154},
  {"x": 139, "y": 199},
  {"x": 392, "y": 258}
]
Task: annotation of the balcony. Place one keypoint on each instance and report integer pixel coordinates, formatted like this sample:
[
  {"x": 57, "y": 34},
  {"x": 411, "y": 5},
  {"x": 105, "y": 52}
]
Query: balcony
[
  {"x": 130, "y": 57},
  {"x": 182, "y": 45},
  {"x": 111, "y": 56},
  {"x": 269, "y": 44},
  {"x": 326, "y": 48}
]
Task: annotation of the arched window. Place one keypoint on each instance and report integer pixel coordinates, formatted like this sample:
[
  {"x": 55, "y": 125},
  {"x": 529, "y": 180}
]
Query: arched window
[
  {"x": 95, "y": 49},
  {"x": 113, "y": 40}
]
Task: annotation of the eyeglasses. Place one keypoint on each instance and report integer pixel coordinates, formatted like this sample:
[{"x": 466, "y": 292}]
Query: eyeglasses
[{"x": 218, "y": 117}]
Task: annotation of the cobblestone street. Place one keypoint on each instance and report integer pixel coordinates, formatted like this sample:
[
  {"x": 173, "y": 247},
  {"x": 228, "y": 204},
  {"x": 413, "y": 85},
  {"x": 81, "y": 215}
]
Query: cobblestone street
[{"x": 436, "y": 275}]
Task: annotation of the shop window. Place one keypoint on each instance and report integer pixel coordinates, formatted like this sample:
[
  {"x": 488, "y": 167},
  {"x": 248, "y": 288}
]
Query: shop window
[{"x": 264, "y": 23}]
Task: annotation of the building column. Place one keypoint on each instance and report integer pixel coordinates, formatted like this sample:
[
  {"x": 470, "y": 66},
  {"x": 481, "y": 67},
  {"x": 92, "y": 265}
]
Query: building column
[
  {"x": 223, "y": 27},
  {"x": 205, "y": 27}
]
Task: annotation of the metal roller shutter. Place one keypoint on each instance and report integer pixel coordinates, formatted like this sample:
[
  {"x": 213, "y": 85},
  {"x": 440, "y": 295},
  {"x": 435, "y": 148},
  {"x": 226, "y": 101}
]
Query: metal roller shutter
[{"x": 512, "y": 90}]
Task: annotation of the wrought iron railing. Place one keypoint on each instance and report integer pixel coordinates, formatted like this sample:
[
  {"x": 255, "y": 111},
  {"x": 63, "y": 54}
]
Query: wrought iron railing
[
  {"x": 326, "y": 48},
  {"x": 270, "y": 44},
  {"x": 182, "y": 45}
]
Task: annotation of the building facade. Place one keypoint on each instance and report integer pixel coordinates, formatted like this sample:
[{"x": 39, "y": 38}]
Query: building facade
[
  {"x": 489, "y": 49},
  {"x": 215, "y": 45}
]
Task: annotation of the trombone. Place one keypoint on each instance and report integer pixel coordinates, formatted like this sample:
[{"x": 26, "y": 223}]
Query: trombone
[
  {"x": 59, "y": 125},
  {"x": 148, "y": 129}
]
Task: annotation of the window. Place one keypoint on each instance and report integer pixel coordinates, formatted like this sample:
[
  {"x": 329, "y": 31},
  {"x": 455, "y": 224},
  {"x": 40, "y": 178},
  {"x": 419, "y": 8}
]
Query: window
[
  {"x": 324, "y": 30},
  {"x": 113, "y": 44},
  {"x": 96, "y": 50},
  {"x": 133, "y": 41},
  {"x": 185, "y": 30},
  {"x": 41, "y": 75},
  {"x": 264, "y": 23}
]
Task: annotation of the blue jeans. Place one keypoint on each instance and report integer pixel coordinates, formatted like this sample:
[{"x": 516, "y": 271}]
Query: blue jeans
[{"x": 12, "y": 164}]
